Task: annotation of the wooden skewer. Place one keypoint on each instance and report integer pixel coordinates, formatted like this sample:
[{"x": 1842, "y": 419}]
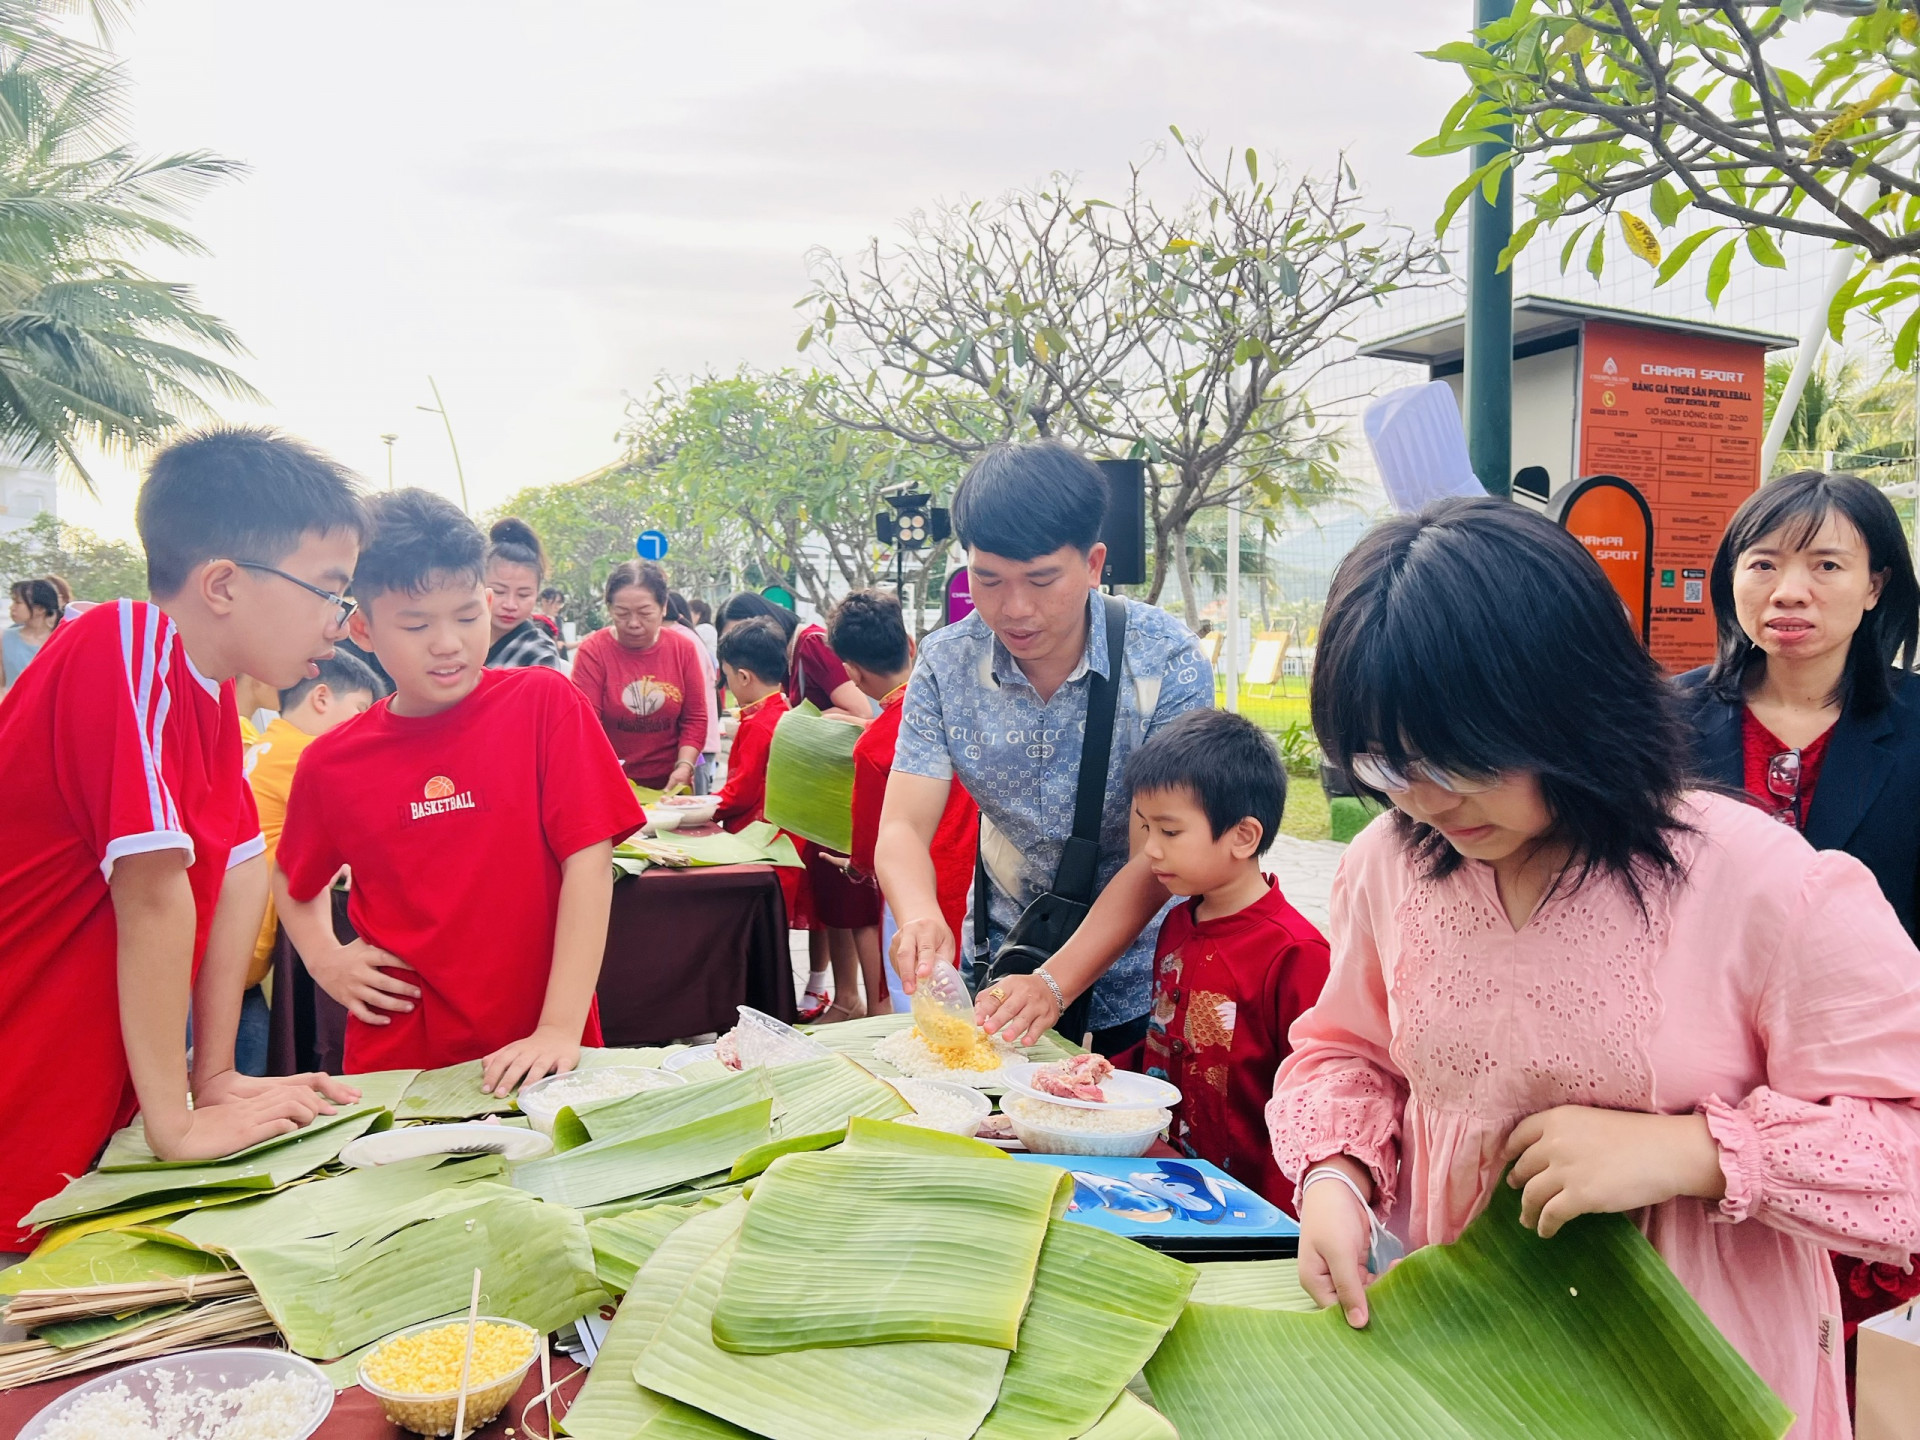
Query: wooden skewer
[
  {"x": 466, "y": 1362},
  {"x": 546, "y": 1382}
]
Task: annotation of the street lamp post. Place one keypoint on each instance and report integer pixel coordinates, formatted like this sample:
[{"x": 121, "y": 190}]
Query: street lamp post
[
  {"x": 439, "y": 407},
  {"x": 387, "y": 440},
  {"x": 1487, "y": 378}
]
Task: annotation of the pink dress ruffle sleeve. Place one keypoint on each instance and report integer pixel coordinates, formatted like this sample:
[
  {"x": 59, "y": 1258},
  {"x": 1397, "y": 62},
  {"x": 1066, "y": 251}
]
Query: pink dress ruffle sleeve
[{"x": 1773, "y": 991}]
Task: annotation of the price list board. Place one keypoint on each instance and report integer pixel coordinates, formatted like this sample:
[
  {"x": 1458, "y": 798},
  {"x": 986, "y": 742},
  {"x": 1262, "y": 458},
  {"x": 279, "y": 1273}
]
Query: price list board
[{"x": 1682, "y": 419}]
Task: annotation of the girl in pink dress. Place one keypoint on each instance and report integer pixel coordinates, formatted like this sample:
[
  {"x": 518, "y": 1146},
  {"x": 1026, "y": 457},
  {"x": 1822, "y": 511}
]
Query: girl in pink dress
[{"x": 1552, "y": 954}]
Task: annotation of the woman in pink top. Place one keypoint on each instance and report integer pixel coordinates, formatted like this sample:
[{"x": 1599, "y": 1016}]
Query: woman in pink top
[{"x": 1551, "y": 954}]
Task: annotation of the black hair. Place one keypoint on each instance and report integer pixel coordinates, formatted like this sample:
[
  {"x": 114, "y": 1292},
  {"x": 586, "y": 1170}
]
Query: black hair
[
  {"x": 245, "y": 493},
  {"x": 39, "y": 595},
  {"x": 701, "y": 611},
  {"x": 758, "y": 647},
  {"x": 868, "y": 629},
  {"x": 677, "y": 610},
  {"x": 745, "y": 605},
  {"x": 553, "y": 592},
  {"x": 1226, "y": 762},
  {"x": 419, "y": 540},
  {"x": 341, "y": 673},
  {"x": 644, "y": 573},
  {"x": 1024, "y": 501},
  {"x": 1798, "y": 505},
  {"x": 1482, "y": 638},
  {"x": 515, "y": 543}
]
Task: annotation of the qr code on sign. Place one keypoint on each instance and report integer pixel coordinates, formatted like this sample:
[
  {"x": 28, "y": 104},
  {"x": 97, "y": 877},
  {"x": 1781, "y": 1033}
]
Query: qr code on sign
[{"x": 1694, "y": 591}]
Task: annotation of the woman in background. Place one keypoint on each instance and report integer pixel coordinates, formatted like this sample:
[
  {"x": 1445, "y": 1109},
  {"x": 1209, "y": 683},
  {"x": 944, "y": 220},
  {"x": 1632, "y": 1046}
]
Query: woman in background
[
  {"x": 35, "y": 612},
  {"x": 516, "y": 567},
  {"x": 647, "y": 681}
]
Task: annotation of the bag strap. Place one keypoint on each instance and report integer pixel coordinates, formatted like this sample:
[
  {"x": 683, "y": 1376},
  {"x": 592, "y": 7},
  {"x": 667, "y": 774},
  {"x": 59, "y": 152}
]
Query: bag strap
[{"x": 1080, "y": 857}]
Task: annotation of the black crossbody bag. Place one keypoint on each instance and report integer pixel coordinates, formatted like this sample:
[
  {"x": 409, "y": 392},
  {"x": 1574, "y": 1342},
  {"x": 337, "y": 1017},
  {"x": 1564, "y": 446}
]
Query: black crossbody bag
[{"x": 1048, "y": 923}]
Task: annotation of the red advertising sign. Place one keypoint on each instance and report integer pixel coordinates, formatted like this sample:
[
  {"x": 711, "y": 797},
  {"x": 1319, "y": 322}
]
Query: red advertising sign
[
  {"x": 1610, "y": 518},
  {"x": 1682, "y": 418}
]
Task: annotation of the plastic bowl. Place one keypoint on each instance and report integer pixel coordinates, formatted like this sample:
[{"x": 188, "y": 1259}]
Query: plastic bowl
[
  {"x": 435, "y": 1414},
  {"x": 692, "y": 809},
  {"x": 542, "y": 1111},
  {"x": 1043, "y": 1134},
  {"x": 210, "y": 1370},
  {"x": 978, "y": 1106},
  {"x": 661, "y": 821}
]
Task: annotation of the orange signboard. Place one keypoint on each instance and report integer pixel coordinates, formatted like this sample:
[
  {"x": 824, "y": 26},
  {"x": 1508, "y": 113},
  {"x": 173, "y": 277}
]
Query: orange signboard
[
  {"x": 1609, "y": 517},
  {"x": 1682, "y": 418}
]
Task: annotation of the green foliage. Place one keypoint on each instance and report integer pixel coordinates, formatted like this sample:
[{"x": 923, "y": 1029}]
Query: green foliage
[
  {"x": 96, "y": 568},
  {"x": 92, "y": 348},
  {"x": 1299, "y": 748},
  {"x": 1731, "y": 111}
]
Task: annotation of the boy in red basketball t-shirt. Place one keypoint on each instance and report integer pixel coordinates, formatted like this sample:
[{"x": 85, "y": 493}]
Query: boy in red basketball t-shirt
[
  {"x": 1236, "y": 964},
  {"x": 869, "y": 634},
  {"x": 131, "y": 877},
  {"x": 477, "y": 811}
]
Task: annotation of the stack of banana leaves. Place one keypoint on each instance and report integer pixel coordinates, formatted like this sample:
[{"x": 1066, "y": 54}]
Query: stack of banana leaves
[{"x": 796, "y": 1266}]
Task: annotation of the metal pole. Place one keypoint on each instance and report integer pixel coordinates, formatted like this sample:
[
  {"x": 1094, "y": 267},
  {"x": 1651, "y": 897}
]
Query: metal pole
[
  {"x": 1233, "y": 607},
  {"x": 388, "y": 440},
  {"x": 1811, "y": 341},
  {"x": 1488, "y": 377},
  {"x": 440, "y": 409}
]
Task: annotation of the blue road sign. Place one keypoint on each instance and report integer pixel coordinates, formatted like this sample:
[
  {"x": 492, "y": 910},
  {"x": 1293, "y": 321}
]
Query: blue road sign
[{"x": 652, "y": 545}]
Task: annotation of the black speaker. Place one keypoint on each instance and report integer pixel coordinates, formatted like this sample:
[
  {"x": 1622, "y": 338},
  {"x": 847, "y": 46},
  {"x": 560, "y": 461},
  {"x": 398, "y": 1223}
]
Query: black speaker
[{"x": 1125, "y": 532}]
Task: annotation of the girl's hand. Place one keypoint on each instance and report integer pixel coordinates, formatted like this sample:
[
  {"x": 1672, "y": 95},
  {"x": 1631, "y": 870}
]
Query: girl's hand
[
  {"x": 1335, "y": 1234},
  {"x": 1578, "y": 1160},
  {"x": 1019, "y": 1009},
  {"x": 550, "y": 1050}
]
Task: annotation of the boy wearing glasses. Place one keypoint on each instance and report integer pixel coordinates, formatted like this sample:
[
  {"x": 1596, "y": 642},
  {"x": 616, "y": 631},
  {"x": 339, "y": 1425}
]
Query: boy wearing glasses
[
  {"x": 131, "y": 877},
  {"x": 478, "y": 810}
]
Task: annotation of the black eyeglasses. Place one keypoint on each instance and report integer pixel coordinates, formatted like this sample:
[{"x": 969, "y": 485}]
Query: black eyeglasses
[
  {"x": 1783, "y": 783},
  {"x": 346, "y": 604}
]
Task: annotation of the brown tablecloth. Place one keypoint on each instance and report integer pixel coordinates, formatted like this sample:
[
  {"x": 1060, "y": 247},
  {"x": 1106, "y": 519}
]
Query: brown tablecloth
[
  {"x": 356, "y": 1415},
  {"x": 684, "y": 949}
]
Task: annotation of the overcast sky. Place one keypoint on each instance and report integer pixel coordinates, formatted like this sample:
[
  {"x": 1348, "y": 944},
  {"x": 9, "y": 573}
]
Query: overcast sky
[{"x": 546, "y": 206}]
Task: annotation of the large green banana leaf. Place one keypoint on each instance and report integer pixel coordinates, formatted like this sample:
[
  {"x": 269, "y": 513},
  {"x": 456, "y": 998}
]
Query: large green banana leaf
[
  {"x": 1499, "y": 1334},
  {"x": 108, "y": 1257},
  {"x": 871, "y": 1392},
  {"x": 332, "y": 1293},
  {"x": 1100, "y": 1305},
  {"x": 1131, "y": 1419},
  {"x": 347, "y": 1203},
  {"x": 865, "y": 1136},
  {"x": 824, "y": 1094},
  {"x": 643, "y": 1164},
  {"x": 623, "y": 1243},
  {"x": 451, "y": 1093},
  {"x": 962, "y": 1239},
  {"x": 1252, "y": 1285},
  {"x": 649, "y": 1111},
  {"x": 810, "y": 779},
  {"x": 128, "y": 1149}
]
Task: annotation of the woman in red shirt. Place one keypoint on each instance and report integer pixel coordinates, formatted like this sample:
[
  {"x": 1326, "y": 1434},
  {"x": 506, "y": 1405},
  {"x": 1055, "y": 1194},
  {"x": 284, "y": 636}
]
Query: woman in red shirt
[{"x": 646, "y": 681}]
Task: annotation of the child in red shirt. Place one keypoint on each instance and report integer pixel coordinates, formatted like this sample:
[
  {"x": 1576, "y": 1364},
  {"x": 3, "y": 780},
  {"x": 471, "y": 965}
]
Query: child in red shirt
[
  {"x": 1236, "y": 964},
  {"x": 131, "y": 877},
  {"x": 753, "y": 660},
  {"x": 477, "y": 809},
  {"x": 869, "y": 634}
]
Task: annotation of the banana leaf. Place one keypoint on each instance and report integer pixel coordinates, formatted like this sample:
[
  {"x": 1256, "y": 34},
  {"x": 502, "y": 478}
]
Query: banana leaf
[
  {"x": 824, "y": 1094},
  {"x": 623, "y": 1243},
  {"x": 856, "y": 1038},
  {"x": 451, "y": 1093},
  {"x": 884, "y": 1137},
  {"x": 332, "y": 1293},
  {"x": 128, "y": 1150},
  {"x": 384, "y": 1088},
  {"x": 810, "y": 779},
  {"x": 1101, "y": 1304},
  {"x": 109, "y": 1257},
  {"x": 653, "y": 1110},
  {"x": 679, "y": 1195},
  {"x": 961, "y": 1239},
  {"x": 647, "y": 1057},
  {"x": 338, "y": 1203},
  {"x": 165, "y": 1211},
  {"x": 1252, "y": 1285},
  {"x": 1129, "y": 1418},
  {"x": 72, "y": 1334},
  {"x": 99, "y": 1191},
  {"x": 870, "y": 1392},
  {"x": 725, "y": 848},
  {"x": 642, "y": 1164},
  {"x": 1498, "y": 1334},
  {"x": 756, "y": 1160}
]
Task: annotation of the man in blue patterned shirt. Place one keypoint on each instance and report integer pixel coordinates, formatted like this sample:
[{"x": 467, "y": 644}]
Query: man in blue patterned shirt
[{"x": 1000, "y": 701}]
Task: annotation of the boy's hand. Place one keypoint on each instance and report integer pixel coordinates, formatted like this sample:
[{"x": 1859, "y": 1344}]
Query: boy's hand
[
  {"x": 1335, "y": 1235},
  {"x": 548, "y": 1051},
  {"x": 918, "y": 946},
  {"x": 214, "y": 1131},
  {"x": 1019, "y": 1009},
  {"x": 231, "y": 1085},
  {"x": 355, "y": 975},
  {"x": 1577, "y": 1160}
]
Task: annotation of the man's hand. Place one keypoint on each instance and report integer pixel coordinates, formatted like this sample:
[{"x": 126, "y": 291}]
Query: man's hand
[
  {"x": 355, "y": 975},
  {"x": 230, "y": 1085},
  {"x": 548, "y": 1051},
  {"x": 1577, "y": 1160},
  {"x": 214, "y": 1131},
  {"x": 918, "y": 946},
  {"x": 1335, "y": 1234},
  {"x": 1019, "y": 1009}
]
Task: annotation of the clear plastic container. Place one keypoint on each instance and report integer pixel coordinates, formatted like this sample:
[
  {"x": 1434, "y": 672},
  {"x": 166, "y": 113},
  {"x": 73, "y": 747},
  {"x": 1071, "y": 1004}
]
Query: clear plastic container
[
  {"x": 542, "y": 1101},
  {"x": 210, "y": 1371},
  {"x": 434, "y": 1414},
  {"x": 1067, "y": 1131},
  {"x": 978, "y": 1107},
  {"x": 759, "y": 1039},
  {"x": 692, "y": 809}
]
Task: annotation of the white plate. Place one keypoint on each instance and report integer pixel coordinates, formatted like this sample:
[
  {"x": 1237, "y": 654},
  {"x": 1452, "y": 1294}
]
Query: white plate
[
  {"x": 1124, "y": 1089},
  {"x": 412, "y": 1141},
  {"x": 210, "y": 1370},
  {"x": 692, "y": 1055}
]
